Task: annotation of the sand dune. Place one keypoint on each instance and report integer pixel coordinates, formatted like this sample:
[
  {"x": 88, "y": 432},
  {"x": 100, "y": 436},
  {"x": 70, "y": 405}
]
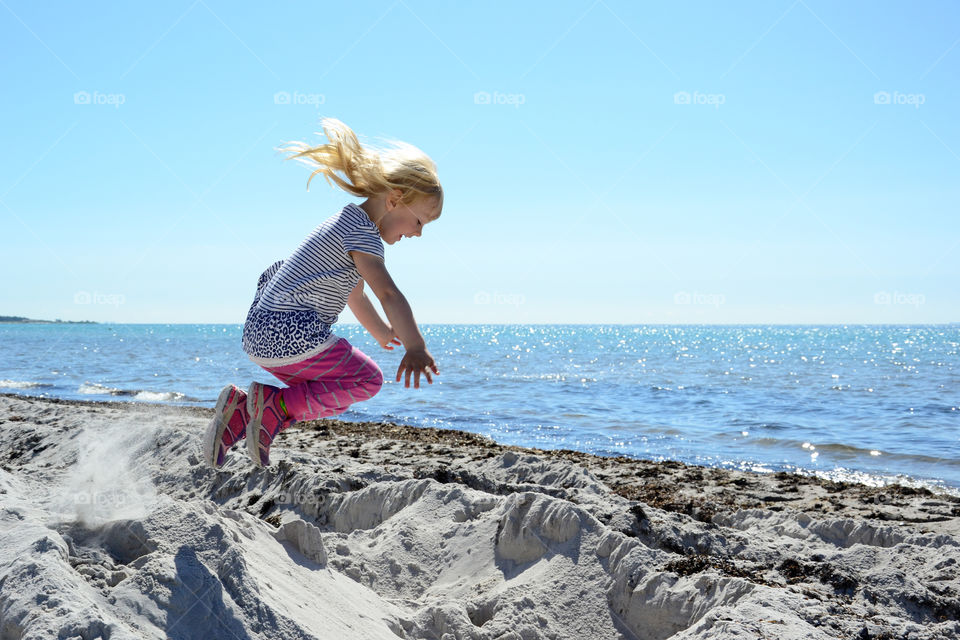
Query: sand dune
[{"x": 111, "y": 527}]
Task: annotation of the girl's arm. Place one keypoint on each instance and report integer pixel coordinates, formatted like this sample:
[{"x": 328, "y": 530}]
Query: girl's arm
[
  {"x": 367, "y": 315},
  {"x": 417, "y": 359}
]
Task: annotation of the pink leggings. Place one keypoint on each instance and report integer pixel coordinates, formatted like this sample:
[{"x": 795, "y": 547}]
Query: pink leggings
[{"x": 329, "y": 382}]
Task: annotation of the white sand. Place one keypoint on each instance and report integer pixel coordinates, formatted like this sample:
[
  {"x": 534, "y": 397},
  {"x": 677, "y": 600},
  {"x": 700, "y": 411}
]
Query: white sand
[{"x": 110, "y": 527}]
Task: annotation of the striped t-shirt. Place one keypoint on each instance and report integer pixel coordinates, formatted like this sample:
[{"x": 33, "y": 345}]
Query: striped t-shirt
[{"x": 298, "y": 299}]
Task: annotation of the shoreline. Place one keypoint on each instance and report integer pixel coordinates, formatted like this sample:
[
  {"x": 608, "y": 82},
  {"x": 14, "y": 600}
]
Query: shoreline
[{"x": 810, "y": 489}]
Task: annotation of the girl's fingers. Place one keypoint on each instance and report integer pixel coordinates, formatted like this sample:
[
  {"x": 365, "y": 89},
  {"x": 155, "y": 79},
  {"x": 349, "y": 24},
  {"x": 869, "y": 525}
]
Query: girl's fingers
[{"x": 405, "y": 371}]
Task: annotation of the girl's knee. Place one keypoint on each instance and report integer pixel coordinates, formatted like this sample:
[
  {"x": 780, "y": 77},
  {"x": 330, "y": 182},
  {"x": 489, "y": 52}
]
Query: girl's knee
[{"x": 374, "y": 383}]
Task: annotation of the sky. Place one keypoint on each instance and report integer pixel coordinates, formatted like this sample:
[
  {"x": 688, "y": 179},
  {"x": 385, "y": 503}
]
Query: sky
[{"x": 603, "y": 162}]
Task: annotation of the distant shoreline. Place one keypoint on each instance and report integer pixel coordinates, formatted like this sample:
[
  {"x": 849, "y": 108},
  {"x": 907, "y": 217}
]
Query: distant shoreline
[{"x": 21, "y": 320}]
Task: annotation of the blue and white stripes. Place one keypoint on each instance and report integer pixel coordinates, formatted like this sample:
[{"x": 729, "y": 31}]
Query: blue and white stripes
[{"x": 299, "y": 298}]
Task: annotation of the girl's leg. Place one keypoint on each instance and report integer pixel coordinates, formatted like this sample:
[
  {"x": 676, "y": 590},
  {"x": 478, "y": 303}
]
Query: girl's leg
[{"x": 327, "y": 384}]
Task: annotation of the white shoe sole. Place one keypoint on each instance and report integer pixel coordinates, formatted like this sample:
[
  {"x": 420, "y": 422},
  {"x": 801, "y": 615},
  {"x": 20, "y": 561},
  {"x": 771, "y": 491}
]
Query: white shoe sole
[
  {"x": 214, "y": 433},
  {"x": 254, "y": 397}
]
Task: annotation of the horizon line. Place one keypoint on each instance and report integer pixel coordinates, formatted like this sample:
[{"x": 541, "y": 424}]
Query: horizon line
[{"x": 477, "y": 324}]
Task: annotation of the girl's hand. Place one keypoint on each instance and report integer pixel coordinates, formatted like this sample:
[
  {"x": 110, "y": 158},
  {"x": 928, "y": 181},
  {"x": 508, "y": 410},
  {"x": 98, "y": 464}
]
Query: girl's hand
[
  {"x": 417, "y": 361},
  {"x": 387, "y": 338}
]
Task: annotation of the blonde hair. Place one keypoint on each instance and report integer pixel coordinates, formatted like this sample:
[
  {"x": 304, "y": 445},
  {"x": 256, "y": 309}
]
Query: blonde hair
[{"x": 368, "y": 171}]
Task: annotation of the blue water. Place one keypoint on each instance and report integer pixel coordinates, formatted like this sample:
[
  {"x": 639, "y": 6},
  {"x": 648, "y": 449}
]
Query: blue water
[{"x": 870, "y": 403}]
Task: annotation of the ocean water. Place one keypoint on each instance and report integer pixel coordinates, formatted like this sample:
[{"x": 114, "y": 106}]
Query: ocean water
[{"x": 875, "y": 404}]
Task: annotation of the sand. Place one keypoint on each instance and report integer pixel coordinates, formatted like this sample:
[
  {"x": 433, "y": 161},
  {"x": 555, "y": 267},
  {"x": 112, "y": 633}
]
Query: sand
[{"x": 111, "y": 527}]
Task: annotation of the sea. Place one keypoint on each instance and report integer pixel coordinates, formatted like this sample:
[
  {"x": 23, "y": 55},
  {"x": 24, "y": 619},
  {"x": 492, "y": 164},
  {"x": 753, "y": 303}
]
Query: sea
[{"x": 877, "y": 404}]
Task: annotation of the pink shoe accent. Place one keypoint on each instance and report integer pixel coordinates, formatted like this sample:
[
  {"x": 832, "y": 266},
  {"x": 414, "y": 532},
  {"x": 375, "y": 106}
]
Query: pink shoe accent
[
  {"x": 267, "y": 419},
  {"x": 227, "y": 426}
]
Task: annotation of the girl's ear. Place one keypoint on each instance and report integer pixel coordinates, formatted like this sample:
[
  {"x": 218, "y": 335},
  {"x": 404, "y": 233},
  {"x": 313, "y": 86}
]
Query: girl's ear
[{"x": 393, "y": 199}]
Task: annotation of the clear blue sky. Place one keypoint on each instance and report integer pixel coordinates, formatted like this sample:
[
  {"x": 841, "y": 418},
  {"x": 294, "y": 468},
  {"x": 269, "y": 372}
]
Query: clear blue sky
[{"x": 603, "y": 161}]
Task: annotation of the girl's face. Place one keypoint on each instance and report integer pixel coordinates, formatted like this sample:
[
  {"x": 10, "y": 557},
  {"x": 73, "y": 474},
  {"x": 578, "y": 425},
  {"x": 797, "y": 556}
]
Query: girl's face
[{"x": 407, "y": 221}]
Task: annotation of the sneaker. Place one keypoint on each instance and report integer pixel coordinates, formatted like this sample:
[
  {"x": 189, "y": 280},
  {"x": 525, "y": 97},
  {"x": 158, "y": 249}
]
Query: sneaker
[
  {"x": 267, "y": 419},
  {"x": 229, "y": 424}
]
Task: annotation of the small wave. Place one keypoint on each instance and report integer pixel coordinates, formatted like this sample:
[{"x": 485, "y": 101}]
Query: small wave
[
  {"x": 93, "y": 388},
  {"x": 161, "y": 396},
  {"x": 748, "y": 425},
  {"x": 881, "y": 479},
  {"x": 22, "y": 384},
  {"x": 872, "y": 478}
]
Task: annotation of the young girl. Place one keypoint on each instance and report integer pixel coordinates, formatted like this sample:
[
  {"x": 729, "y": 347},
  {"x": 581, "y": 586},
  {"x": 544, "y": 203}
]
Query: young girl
[{"x": 288, "y": 327}]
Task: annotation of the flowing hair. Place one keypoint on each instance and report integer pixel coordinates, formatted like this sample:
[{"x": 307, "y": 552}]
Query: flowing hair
[{"x": 367, "y": 171}]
